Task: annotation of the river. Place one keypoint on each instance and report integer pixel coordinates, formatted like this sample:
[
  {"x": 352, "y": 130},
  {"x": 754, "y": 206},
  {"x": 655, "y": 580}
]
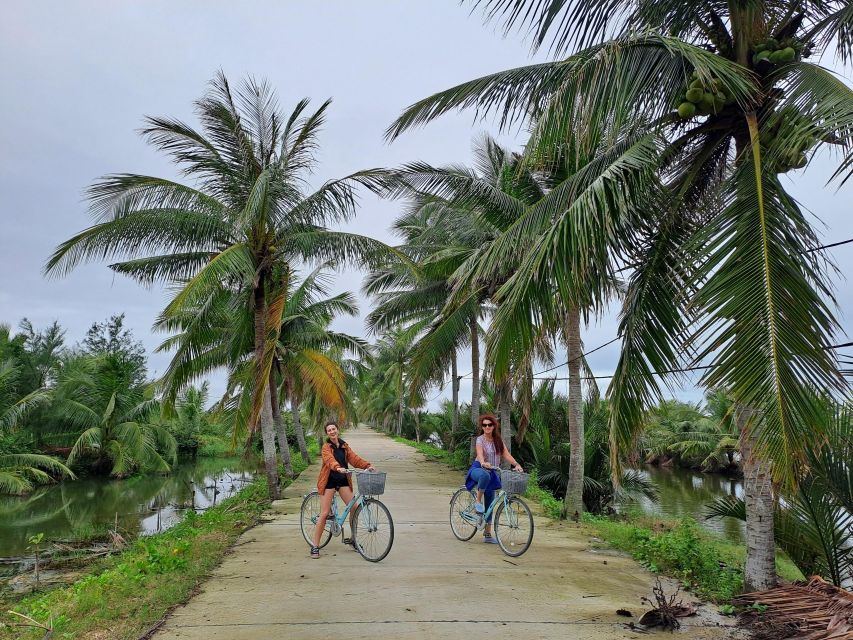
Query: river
[
  {"x": 141, "y": 505},
  {"x": 686, "y": 493}
]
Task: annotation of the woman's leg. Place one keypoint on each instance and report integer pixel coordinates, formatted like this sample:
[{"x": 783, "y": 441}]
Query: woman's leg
[
  {"x": 346, "y": 496},
  {"x": 482, "y": 478},
  {"x": 325, "y": 510},
  {"x": 490, "y": 497}
]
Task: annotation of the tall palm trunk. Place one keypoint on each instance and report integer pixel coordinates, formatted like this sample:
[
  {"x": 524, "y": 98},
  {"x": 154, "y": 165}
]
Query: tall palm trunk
[
  {"x": 417, "y": 425},
  {"x": 281, "y": 432},
  {"x": 505, "y": 411},
  {"x": 573, "y": 504},
  {"x": 297, "y": 422},
  {"x": 454, "y": 385},
  {"x": 760, "y": 570},
  {"x": 401, "y": 407},
  {"x": 475, "y": 377},
  {"x": 297, "y": 427},
  {"x": 266, "y": 419}
]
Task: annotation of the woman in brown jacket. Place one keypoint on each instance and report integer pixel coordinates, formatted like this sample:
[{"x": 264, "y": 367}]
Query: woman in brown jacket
[{"x": 337, "y": 456}]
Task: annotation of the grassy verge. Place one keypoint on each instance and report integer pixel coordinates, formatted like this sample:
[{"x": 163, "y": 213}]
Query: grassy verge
[
  {"x": 125, "y": 595},
  {"x": 703, "y": 562},
  {"x": 681, "y": 549}
]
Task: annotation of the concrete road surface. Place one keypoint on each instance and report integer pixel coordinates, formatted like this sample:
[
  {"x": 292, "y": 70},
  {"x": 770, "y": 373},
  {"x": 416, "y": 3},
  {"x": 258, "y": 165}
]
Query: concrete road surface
[{"x": 429, "y": 586}]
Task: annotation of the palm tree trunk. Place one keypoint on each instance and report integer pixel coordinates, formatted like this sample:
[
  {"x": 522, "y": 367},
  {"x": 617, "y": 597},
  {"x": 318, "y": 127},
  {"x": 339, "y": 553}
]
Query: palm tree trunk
[
  {"x": 290, "y": 393},
  {"x": 454, "y": 385},
  {"x": 401, "y": 407},
  {"x": 475, "y": 377},
  {"x": 267, "y": 434},
  {"x": 505, "y": 411},
  {"x": 573, "y": 504},
  {"x": 297, "y": 428},
  {"x": 417, "y": 425},
  {"x": 760, "y": 570},
  {"x": 283, "y": 446}
]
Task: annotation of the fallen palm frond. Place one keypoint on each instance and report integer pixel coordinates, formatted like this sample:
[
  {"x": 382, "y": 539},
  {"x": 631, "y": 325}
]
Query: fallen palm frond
[{"x": 815, "y": 610}]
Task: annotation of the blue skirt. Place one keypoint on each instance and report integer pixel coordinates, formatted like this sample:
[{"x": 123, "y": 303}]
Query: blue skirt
[{"x": 494, "y": 484}]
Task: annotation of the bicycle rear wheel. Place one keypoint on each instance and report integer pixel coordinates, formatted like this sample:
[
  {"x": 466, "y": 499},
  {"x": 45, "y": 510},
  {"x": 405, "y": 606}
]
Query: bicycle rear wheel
[
  {"x": 462, "y": 515},
  {"x": 372, "y": 530},
  {"x": 514, "y": 526},
  {"x": 308, "y": 516}
]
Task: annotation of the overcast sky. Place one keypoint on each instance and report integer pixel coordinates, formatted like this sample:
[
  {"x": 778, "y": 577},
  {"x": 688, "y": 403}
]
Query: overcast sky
[{"x": 76, "y": 79}]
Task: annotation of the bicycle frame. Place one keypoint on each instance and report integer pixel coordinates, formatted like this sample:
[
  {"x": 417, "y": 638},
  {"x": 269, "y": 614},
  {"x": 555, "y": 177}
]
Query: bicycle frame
[
  {"x": 357, "y": 499},
  {"x": 500, "y": 496}
]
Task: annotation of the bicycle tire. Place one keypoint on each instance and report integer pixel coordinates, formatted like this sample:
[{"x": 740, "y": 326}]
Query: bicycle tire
[
  {"x": 513, "y": 525},
  {"x": 308, "y": 515},
  {"x": 372, "y": 530},
  {"x": 462, "y": 502}
]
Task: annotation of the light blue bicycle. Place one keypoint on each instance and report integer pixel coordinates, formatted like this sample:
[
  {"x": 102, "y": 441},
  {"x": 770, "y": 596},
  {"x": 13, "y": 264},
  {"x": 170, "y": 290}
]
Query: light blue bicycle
[
  {"x": 512, "y": 521},
  {"x": 372, "y": 526}
]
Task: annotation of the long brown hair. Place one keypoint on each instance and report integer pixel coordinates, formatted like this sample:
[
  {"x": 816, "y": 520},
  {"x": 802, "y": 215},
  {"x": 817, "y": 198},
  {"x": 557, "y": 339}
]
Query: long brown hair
[{"x": 496, "y": 432}]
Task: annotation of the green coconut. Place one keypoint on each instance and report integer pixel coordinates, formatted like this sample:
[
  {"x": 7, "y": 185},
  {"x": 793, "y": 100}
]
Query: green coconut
[
  {"x": 696, "y": 84},
  {"x": 695, "y": 95},
  {"x": 719, "y": 102},
  {"x": 687, "y": 110},
  {"x": 707, "y": 101},
  {"x": 760, "y": 47},
  {"x": 788, "y": 54},
  {"x": 776, "y": 57},
  {"x": 772, "y": 43},
  {"x": 764, "y": 55}
]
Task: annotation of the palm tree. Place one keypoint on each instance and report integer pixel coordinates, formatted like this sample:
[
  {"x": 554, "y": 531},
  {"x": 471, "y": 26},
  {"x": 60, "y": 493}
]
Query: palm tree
[
  {"x": 218, "y": 334},
  {"x": 248, "y": 215},
  {"x": 304, "y": 352},
  {"x": 115, "y": 425},
  {"x": 728, "y": 244},
  {"x": 435, "y": 239},
  {"x": 19, "y": 471},
  {"x": 563, "y": 219}
]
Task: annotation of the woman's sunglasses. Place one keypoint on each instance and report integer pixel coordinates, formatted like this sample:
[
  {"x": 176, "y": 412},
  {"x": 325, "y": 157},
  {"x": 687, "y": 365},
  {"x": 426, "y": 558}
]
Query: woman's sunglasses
[{"x": 488, "y": 424}]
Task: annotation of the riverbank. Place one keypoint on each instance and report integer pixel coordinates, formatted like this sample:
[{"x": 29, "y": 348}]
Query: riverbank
[
  {"x": 704, "y": 562},
  {"x": 124, "y": 595}
]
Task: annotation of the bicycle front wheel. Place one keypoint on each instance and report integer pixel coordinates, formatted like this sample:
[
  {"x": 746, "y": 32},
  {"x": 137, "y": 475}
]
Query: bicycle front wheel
[
  {"x": 372, "y": 530},
  {"x": 308, "y": 516},
  {"x": 514, "y": 526},
  {"x": 463, "y": 518}
]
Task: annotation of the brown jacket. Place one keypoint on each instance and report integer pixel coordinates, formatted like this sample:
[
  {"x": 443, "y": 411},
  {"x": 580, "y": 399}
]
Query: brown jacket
[{"x": 330, "y": 464}]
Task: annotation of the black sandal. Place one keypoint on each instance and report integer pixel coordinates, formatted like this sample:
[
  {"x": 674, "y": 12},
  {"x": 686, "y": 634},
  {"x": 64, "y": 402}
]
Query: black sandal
[{"x": 315, "y": 552}]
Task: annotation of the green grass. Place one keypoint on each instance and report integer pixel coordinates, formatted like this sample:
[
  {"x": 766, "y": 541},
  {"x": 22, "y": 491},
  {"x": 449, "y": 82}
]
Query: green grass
[
  {"x": 124, "y": 595},
  {"x": 703, "y": 562}
]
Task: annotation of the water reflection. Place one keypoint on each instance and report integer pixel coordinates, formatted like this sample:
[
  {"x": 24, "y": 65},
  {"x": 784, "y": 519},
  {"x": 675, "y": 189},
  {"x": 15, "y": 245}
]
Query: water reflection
[
  {"x": 685, "y": 493},
  {"x": 146, "y": 504}
]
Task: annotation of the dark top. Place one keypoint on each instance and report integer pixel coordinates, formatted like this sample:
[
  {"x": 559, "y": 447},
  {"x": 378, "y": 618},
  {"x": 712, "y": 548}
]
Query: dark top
[{"x": 337, "y": 478}]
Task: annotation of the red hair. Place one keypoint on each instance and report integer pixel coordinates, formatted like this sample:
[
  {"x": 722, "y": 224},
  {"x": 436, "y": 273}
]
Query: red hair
[{"x": 496, "y": 432}]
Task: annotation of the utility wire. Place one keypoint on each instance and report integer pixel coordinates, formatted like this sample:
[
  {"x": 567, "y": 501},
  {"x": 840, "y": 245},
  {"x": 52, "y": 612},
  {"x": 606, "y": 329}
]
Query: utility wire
[{"x": 680, "y": 370}]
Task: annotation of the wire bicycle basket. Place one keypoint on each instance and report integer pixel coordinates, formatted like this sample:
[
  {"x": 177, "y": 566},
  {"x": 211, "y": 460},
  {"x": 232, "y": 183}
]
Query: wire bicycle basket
[
  {"x": 514, "y": 482},
  {"x": 371, "y": 483}
]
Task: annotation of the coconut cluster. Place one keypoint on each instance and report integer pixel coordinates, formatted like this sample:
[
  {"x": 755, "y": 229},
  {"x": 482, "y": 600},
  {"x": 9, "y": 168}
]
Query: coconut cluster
[
  {"x": 775, "y": 52},
  {"x": 794, "y": 155},
  {"x": 703, "y": 98}
]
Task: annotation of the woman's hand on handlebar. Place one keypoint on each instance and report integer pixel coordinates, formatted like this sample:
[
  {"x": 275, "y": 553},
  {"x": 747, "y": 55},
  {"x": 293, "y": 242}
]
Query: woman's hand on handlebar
[
  {"x": 518, "y": 468},
  {"x": 371, "y": 468}
]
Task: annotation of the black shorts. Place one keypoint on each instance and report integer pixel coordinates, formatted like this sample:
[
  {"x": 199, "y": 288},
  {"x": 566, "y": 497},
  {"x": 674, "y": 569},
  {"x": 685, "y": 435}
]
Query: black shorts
[{"x": 336, "y": 481}]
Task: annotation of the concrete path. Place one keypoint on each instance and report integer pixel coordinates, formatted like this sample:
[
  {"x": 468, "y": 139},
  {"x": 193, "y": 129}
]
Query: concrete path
[{"x": 430, "y": 585}]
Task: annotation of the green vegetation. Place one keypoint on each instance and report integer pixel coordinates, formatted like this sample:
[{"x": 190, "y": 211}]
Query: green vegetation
[
  {"x": 125, "y": 594},
  {"x": 711, "y": 567}
]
